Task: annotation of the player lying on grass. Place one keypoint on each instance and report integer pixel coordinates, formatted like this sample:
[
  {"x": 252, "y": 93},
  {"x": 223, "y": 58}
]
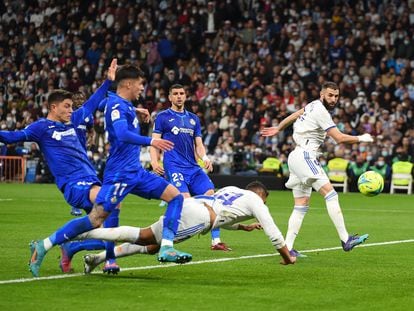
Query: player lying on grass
[{"x": 225, "y": 209}]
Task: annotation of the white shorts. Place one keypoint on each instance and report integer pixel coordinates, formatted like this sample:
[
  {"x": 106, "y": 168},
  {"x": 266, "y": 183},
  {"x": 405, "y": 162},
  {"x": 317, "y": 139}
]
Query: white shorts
[
  {"x": 195, "y": 219},
  {"x": 305, "y": 172}
]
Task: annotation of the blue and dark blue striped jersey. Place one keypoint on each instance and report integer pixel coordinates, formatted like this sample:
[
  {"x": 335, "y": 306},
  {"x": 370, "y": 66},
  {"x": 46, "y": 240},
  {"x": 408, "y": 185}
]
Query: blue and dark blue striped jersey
[{"x": 181, "y": 128}]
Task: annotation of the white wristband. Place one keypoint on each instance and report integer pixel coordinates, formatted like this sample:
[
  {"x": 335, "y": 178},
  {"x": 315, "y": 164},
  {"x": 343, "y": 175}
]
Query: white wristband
[{"x": 205, "y": 158}]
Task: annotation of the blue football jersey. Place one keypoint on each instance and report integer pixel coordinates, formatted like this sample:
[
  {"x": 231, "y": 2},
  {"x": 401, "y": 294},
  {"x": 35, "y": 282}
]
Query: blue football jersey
[
  {"x": 64, "y": 154},
  {"x": 82, "y": 130},
  {"x": 181, "y": 128},
  {"x": 122, "y": 126}
]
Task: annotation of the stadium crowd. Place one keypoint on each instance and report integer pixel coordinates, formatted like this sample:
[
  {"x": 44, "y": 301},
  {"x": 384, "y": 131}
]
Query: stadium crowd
[{"x": 245, "y": 65}]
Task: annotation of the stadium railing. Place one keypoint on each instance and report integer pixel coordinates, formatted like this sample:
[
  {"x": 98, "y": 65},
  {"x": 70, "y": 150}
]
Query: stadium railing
[{"x": 12, "y": 169}]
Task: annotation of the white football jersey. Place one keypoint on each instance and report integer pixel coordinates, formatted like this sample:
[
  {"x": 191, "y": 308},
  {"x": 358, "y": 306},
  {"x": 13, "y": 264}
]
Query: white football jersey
[
  {"x": 234, "y": 205},
  {"x": 309, "y": 130}
]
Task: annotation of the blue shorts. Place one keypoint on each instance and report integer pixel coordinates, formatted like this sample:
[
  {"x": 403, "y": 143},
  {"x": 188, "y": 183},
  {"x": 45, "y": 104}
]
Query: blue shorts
[
  {"x": 194, "y": 181},
  {"x": 76, "y": 193},
  {"x": 143, "y": 183}
]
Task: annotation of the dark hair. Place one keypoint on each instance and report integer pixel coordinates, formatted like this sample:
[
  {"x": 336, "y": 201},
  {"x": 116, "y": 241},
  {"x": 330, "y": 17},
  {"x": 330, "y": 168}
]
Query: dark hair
[
  {"x": 78, "y": 99},
  {"x": 330, "y": 85},
  {"x": 175, "y": 86},
  {"x": 128, "y": 71},
  {"x": 257, "y": 187},
  {"x": 57, "y": 96}
]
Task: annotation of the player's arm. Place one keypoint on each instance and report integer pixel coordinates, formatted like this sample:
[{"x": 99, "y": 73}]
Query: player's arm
[
  {"x": 125, "y": 135},
  {"x": 262, "y": 214},
  {"x": 202, "y": 154},
  {"x": 155, "y": 155},
  {"x": 92, "y": 104},
  {"x": 340, "y": 137},
  {"x": 274, "y": 130},
  {"x": 11, "y": 137}
]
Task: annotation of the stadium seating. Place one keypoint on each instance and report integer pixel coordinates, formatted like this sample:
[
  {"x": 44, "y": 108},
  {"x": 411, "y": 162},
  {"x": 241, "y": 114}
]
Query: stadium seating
[
  {"x": 402, "y": 177},
  {"x": 337, "y": 173}
]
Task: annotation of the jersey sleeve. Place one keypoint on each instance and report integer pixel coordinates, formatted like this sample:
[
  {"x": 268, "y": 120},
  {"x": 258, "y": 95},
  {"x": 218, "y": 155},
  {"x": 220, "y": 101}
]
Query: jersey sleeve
[
  {"x": 31, "y": 133},
  {"x": 324, "y": 119},
  {"x": 197, "y": 129},
  {"x": 92, "y": 104},
  {"x": 262, "y": 214},
  {"x": 158, "y": 124},
  {"x": 121, "y": 130}
]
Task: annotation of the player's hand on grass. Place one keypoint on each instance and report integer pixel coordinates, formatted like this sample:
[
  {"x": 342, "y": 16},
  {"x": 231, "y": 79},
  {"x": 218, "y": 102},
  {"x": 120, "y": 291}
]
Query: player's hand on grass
[
  {"x": 162, "y": 144},
  {"x": 112, "y": 70},
  {"x": 269, "y": 131},
  {"x": 286, "y": 262},
  {"x": 143, "y": 114},
  {"x": 251, "y": 227}
]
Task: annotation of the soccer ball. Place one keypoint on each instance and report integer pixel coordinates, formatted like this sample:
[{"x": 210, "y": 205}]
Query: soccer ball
[{"x": 370, "y": 183}]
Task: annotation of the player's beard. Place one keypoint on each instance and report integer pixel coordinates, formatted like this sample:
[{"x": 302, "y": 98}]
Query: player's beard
[{"x": 327, "y": 106}]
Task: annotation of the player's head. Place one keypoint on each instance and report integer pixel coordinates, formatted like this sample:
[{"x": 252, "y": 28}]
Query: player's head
[
  {"x": 329, "y": 95},
  {"x": 59, "y": 104},
  {"x": 78, "y": 99},
  {"x": 258, "y": 188},
  {"x": 177, "y": 96},
  {"x": 130, "y": 81}
]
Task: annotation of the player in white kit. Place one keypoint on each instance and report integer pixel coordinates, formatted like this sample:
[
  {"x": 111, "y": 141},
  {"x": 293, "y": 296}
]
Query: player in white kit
[
  {"x": 225, "y": 209},
  {"x": 312, "y": 124}
]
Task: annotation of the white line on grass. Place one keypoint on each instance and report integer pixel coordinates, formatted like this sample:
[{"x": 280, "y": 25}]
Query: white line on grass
[{"x": 64, "y": 276}]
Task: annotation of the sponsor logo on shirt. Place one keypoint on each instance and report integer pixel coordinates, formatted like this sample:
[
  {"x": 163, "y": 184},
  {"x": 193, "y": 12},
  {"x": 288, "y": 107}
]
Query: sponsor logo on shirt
[
  {"x": 170, "y": 120},
  {"x": 58, "y": 135},
  {"x": 175, "y": 130}
]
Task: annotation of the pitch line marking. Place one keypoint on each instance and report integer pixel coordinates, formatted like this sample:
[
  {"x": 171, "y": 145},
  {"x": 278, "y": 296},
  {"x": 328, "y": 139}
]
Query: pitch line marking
[{"x": 163, "y": 266}]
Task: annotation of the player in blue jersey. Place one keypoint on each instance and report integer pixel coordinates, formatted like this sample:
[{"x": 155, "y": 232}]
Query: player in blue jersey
[
  {"x": 85, "y": 132},
  {"x": 179, "y": 164},
  {"x": 56, "y": 135},
  {"x": 124, "y": 173}
]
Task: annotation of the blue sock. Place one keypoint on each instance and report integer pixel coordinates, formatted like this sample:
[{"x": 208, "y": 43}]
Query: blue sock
[
  {"x": 172, "y": 215},
  {"x": 111, "y": 222},
  {"x": 215, "y": 233},
  {"x": 71, "y": 229},
  {"x": 90, "y": 245}
]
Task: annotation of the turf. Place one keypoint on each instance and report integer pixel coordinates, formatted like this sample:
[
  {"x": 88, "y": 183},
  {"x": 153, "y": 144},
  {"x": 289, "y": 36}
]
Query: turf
[{"x": 377, "y": 277}]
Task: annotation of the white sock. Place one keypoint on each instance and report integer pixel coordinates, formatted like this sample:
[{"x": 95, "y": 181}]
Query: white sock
[
  {"x": 127, "y": 249},
  {"x": 122, "y": 250},
  {"x": 165, "y": 242},
  {"x": 335, "y": 213},
  {"x": 215, "y": 241},
  {"x": 295, "y": 222},
  {"x": 121, "y": 234},
  {"x": 47, "y": 244}
]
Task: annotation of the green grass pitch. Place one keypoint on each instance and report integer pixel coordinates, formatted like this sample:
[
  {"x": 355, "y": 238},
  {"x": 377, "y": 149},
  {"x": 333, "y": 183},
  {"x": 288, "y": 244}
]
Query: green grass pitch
[{"x": 378, "y": 276}]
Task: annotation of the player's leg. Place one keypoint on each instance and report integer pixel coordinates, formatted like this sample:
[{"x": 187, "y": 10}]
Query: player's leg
[
  {"x": 149, "y": 185},
  {"x": 110, "y": 264},
  {"x": 65, "y": 233},
  {"x": 348, "y": 242}
]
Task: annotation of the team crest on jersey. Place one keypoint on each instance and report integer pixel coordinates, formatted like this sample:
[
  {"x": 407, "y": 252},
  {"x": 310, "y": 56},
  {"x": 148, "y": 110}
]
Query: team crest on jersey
[
  {"x": 175, "y": 130},
  {"x": 115, "y": 115},
  {"x": 192, "y": 122}
]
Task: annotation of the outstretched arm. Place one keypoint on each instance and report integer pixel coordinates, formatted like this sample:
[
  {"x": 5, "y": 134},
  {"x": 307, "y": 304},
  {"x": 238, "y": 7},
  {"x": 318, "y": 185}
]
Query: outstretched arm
[
  {"x": 12, "y": 136},
  {"x": 340, "y": 137},
  {"x": 125, "y": 135},
  {"x": 271, "y": 131},
  {"x": 92, "y": 104}
]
